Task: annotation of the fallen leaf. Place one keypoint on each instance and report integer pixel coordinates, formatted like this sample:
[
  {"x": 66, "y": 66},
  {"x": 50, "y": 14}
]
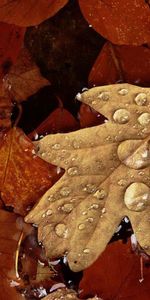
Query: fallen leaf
[
  {"x": 89, "y": 117},
  {"x": 5, "y": 110},
  {"x": 24, "y": 78},
  {"x": 24, "y": 177},
  {"x": 121, "y": 63},
  {"x": 11, "y": 41},
  {"x": 10, "y": 233},
  {"x": 28, "y": 13},
  {"x": 121, "y": 22},
  {"x": 60, "y": 120},
  {"x": 106, "y": 178},
  {"x": 117, "y": 275},
  {"x": 65, "y": 294}
]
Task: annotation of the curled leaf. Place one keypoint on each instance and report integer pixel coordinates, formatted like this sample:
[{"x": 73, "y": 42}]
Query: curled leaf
[{"x": 65, "y": 294}]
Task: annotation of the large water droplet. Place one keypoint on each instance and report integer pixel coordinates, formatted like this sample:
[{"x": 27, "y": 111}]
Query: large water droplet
[
  {"x": 49, "y": 212},
  {"x": 121, "y": 116},
  {"x": 65, "y": 191},
  {"x": 144, "y": 119},
  {"x": 141, "y": 99},
  {"x": 137, "y": 196},
  {"x": 104, "y": 96},
  {"x": 61, "y": 230},
  {"x": 72, "y": 171}
]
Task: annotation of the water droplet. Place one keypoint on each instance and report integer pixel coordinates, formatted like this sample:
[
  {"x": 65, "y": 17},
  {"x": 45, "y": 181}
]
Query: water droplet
[
  {"x": 44, "y": 215},
  {"x": 49, "y": 212},
  {"x": 65, "y": 191},
  {"x": 68, "y": 207},
  {"x": 72, "y": 171},
  {"x": 122, "y": 182},
  {"x": 84, "y": 213},
  {"x": 144, "y": 119},
  {"x": 43, "y": 154},
  {"x": 56, "y": 146},
  {"x": 86, "y": 251},
  {"x": 76, "y": 144},
  {"x": 61, "y": 230},
  {"x": 103, "y": 210},
  {"x": 90, "y": 220},
  {"x": 58, "y": 170},
  {"x": 121, "y": 116},
  {"x": 89, "y": 188},
  {"x": 78, "y": 96},
  {"x": 100, "y": 194},
  {"x": 81, "y": 226},
  {"x": 50, "y": 198},
  {"x": 123, "y": 92},
  {"x": 94, "y": 206},
  {"x": 140, "y": 99},
  {"x": 104, "y": 96},
  {"x": 137, "y": 196}
]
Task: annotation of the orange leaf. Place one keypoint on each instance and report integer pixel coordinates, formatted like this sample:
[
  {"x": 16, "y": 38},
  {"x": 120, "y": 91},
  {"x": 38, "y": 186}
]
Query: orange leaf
[
  {"x": 11, "y": 41},
  {"x": 5, "y": 110},
  {"x": 60, "y": 120},
  {"x": 121, "y": 22},
  {"x": 117, "y": 275},
  {"x": 24, "y": 78},
  {"x": 24, "y": 177},
  {"x": 29, "y": 13},
  {"x": 121, "y": 63},
  {"x": 89, "y": 117},
  {"x": 10, "y": 233}
]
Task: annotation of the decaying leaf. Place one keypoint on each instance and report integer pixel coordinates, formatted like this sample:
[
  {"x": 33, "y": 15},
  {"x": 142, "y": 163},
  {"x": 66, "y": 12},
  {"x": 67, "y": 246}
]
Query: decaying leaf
[
  {"x": 24, "y": 177},
  {"x": 24, "y": 78},
  {"x": 11, "y": 228},
  {"x": 121, "y": 63},
  {"x": 117, "y": 274},
  {"x": 66, "y": 294},
  {"x": 28, "y": 13},
  {"x": 106, "y": 178},
  {"x": 121, "y": 22},
  {"x": 11, "y": 41}
]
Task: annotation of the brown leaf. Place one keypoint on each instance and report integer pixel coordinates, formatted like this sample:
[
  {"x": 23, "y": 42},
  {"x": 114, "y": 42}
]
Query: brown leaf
[
  {"x": 60, "y": 120},
  {"x": 10, "y": 232},
  {"x": 29, "y": 13},
  {"x": 5, "y": 110},
  {"x": 121, "y": 22},
  {"x": 65, "y": 294},
  {"x": 24, "y": 177},
  {"x": 106, "y": 178},
  {"x": 121, "y": 63},
  {"x": 24, "y": 78},
  {"x": 117, "y": 275},
  {"x": 11, "y": 41}
]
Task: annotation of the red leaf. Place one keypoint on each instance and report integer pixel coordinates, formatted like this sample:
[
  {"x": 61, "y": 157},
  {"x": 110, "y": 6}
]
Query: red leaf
[
  {"x": 121, "y": 63},
  {"x": 60, "y": 120},
  {"x": 117, "y": 275},
  {"x": 89, "y": 117},
  {"x": 10, "y": 44},
  {"x": 29, "y": 13},
  {"x": 5, "y": 110},
  {"x": 24, "y": 177},
  {"x": 121, "y": 22}
]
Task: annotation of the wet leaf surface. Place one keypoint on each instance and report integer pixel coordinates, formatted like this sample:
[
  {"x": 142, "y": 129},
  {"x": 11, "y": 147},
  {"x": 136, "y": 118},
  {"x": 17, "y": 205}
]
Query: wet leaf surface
[
  {"x": 100, "y": 163},
  {"x": 66, "y": 295},
  {"x": 29, "y": 13},
  {"x": 121, "y": 22}
]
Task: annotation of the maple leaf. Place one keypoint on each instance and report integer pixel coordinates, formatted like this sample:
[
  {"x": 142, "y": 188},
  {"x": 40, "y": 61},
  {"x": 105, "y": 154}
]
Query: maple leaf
[
  {"x": 106, "y": 178},
  {"x": 11, "y": 231},
  {"x": 121, "y": 63},
  {"x": 65, "y": 294},
  {"x": 132, "y": 27},
  {"x": 28, "y": 13},
  {"x": 24, "y": 177},
  {"x": 11, "y": 41},
  {"x": 117, "y": 274},
  {"x": 24, "y": 78}
]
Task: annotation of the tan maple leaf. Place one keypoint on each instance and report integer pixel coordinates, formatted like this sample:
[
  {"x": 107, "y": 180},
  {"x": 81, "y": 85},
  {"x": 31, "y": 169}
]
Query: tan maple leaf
[
  {"x": 66, "y": 294},
  {"x": 106, "y": 178}
]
